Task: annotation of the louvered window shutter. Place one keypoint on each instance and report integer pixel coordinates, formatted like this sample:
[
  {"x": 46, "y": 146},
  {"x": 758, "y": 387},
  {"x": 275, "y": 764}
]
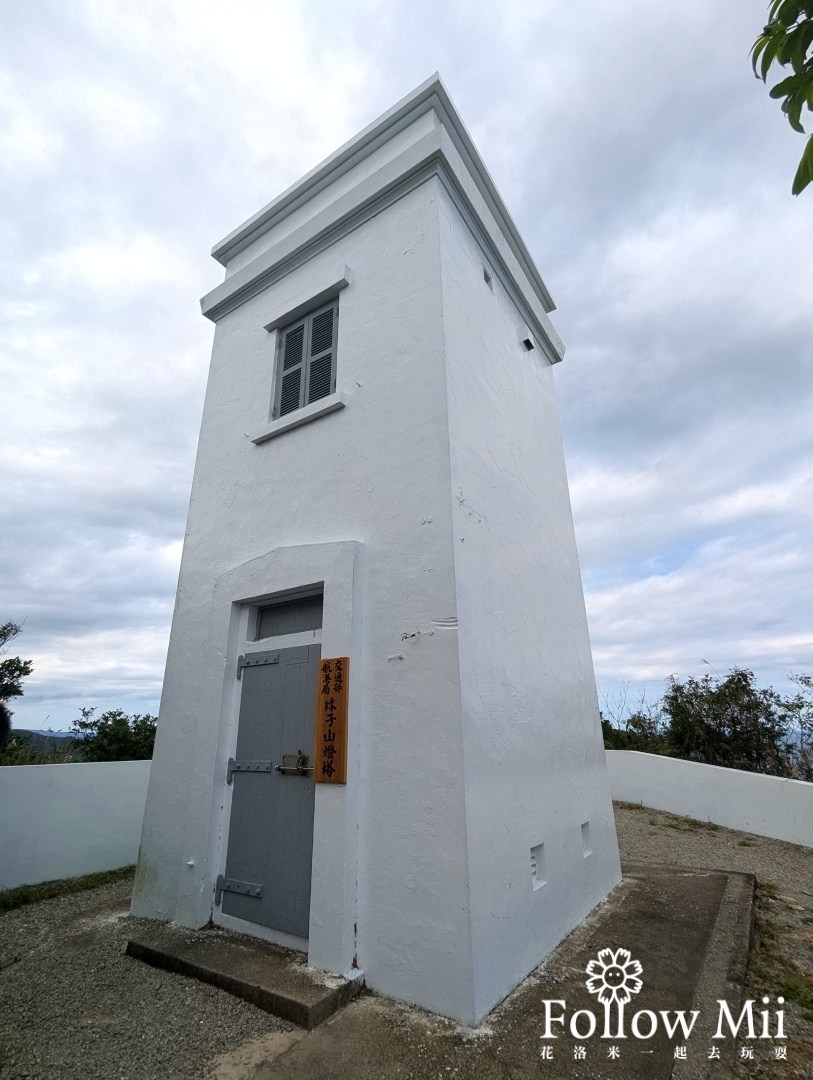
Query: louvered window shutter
[
  {"x": 308, "y": 360},
  {"x": 293, "y": 369},
  {"x": 320, "y": 367}
]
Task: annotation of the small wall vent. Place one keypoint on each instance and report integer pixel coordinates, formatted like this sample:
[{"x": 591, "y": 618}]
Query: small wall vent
[
  {"x": 586, "y": 842},
  {"x": 538, "y": 875}
]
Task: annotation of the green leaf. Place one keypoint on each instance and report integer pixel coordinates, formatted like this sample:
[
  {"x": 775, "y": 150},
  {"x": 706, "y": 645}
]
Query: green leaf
[
  {"x": 802, "y": 39},
  {"x": 804, "y": 174},
  {"x": 784, "y": 88},
  {"x": 793, "y": 110},
  {"x": 801, "y": 180},
  {"x": 756, "y": 49},
  {"x": 785, "y": 50},
  {"x": 768, "y": 55},
  {"x": 788, "y": 12}
]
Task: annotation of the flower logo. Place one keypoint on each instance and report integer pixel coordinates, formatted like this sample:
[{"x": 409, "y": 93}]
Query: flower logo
[
  {"x": 614, "y": 976},
  {"x": 614, "y": 979}
]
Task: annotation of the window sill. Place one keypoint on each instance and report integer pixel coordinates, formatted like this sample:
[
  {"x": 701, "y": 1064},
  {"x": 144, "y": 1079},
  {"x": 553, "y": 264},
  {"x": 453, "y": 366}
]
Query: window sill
[{"x": 304, "y": 415}]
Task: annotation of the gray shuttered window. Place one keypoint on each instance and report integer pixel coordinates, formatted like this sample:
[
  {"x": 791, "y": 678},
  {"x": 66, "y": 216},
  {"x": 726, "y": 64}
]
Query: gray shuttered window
[
  {"x": 306, "y": 360},
  {"x": 290, "y": 617}
]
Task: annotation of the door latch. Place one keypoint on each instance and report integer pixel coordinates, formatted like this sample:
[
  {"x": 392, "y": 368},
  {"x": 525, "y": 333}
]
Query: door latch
[{"x": 294, "y": 764}]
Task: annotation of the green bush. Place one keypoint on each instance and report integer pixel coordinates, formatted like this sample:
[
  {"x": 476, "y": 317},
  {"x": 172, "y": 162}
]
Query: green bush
[
  {"x": 27, "y": 748},
  {"x": 12, "y": 670},
  {"x": 723, "y": 721},
  {"x": 114, "y": 736},
  {"x": 727, "y": 722},
  {"x": 641, "y": 730}
]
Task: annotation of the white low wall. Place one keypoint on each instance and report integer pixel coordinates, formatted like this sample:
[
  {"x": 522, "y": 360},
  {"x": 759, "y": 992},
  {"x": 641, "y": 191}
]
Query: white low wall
[
  {"x": 61, "y": 821},
  {"x": 751, "y": 802}
]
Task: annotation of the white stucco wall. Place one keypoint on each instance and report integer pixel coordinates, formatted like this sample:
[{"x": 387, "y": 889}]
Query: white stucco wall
[
  {"x": 533, "y": 752},
  {"x": 765, "y": 805},
  {"x": 62, "y": 821}
]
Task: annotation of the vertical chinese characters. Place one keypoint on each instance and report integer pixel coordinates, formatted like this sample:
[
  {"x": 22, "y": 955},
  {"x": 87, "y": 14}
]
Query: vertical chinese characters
[{"x": 331, "y": 722}]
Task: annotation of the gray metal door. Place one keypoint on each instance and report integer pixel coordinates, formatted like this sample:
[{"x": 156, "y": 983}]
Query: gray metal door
[{"x": 268, "y": 858}]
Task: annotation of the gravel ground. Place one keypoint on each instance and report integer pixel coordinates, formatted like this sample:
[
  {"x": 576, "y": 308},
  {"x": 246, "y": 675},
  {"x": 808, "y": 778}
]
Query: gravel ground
[
  {"x": 651, "y": 836},
  {"x": 73, "y": 1007}
]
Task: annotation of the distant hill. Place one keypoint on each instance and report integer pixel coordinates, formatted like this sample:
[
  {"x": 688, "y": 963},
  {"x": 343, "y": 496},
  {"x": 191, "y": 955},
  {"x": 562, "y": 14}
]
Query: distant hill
[
  {"x": 42, "y": 741},
  {"x": 45, "y": 731}
]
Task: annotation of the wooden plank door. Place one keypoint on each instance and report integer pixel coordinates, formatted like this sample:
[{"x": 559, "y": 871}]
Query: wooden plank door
[{"x": 270, "y": 843}]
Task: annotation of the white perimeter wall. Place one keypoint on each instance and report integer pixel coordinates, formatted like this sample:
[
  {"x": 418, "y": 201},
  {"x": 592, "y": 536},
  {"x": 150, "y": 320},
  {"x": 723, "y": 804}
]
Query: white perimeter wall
[
  {"x": 62, "y": 821},
  {"x": 751, "y": 802}
]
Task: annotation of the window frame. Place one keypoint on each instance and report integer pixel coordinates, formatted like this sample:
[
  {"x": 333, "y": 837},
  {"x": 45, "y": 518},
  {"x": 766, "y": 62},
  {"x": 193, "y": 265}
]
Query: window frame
[{"x": 305, "y": 320}]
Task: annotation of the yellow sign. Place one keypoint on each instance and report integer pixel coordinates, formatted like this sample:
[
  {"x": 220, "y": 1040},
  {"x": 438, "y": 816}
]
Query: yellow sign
[{"x": 330, "y": 750}]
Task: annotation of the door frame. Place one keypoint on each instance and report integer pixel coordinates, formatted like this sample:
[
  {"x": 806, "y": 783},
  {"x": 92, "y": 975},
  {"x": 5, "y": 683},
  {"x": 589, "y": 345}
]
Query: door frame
[{"x": 337, "y": 568}]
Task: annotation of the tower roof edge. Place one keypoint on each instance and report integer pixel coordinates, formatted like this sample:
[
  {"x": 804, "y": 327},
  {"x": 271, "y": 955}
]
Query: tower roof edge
[{"x": 430, "y": 94}]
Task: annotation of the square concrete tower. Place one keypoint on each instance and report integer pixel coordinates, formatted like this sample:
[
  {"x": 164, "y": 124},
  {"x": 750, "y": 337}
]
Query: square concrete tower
[{"x": 380, "y": 484}]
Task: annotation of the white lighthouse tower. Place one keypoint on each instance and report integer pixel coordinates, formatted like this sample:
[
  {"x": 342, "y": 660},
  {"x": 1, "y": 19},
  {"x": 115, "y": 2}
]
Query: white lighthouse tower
[{"x": 380, "y": 535}]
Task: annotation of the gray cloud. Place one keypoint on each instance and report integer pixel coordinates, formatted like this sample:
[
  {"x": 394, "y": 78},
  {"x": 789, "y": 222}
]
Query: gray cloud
[{"x": 649, "y": 174}]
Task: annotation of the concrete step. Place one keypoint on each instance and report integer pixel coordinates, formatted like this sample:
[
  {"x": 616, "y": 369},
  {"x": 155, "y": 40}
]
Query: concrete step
[{"x": 274, "y": 979}]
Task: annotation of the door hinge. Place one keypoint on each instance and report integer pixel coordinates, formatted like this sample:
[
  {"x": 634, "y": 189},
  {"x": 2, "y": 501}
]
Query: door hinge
[
  {"x": 244, "y": 888},
  {"x": 246, "y": 766},
  {"x": 256, "y": 659}
]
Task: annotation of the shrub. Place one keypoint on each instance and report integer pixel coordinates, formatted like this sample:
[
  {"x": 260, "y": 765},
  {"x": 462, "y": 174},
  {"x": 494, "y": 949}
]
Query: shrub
[
  {"x": 114, "y": 736},
  {"x": 728, "y": 722},
  {"x": 27, "y": 748},
  {"x": 641, "y": 730},
  {"x": 723, "y": 721}
]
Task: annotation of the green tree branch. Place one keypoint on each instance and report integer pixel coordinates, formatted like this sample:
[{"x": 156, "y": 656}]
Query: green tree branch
[{"x": 788, "y": 39}]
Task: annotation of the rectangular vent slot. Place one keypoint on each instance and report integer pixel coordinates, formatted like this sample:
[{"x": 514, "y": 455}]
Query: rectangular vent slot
[
  {"x": 538, "y": 875},
  {"x": 586, "y": 842}
]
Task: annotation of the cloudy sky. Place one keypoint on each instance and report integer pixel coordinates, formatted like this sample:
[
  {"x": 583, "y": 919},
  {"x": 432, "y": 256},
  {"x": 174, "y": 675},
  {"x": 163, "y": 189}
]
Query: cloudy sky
[{"x": 649, "y": 174}]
